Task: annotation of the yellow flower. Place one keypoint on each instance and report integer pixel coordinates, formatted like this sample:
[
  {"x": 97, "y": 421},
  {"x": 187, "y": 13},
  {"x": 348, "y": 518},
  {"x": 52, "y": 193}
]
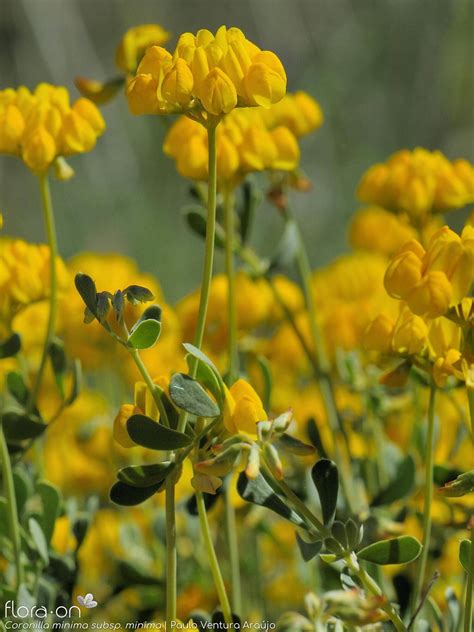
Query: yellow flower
[
  {"x": 24, "y": 277},
  {"x": 418, "y": 182},
  {"x": 41, "y": 126},
  {"x": 218, "y": 94},
  {"x": 243, "y": 408},
  {"x": 404, "y": 271},
  {"x": 177, "y": 84},
  {"x": 211, "y": 73},
  {"x": 135, "y": 42},
  {"x": 409, "y": 334},
  {"x": 120, "y": 433},
  {"x": 251, "y": 139},
  {"x": 377, "y": 230},
  {"x": 378, "y": 335}
]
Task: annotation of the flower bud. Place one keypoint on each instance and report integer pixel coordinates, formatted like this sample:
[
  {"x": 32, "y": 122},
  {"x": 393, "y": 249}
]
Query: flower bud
[
  {"x": 378, "y": 335},
  {"x": 141, "y": 95},
  {"x": 39, "y": 150},
  {"x": 403, "y": 273},
  {"x": 178, "y": 84},
  {"x": 265, "y": 81},
  {"x": 288, "y": 151},
  {"x": 12, "y": 126},
  {"x": 218, "y": 94},
  {"x": 431, "y": 296},
  {"x": 410, "y": 334}
]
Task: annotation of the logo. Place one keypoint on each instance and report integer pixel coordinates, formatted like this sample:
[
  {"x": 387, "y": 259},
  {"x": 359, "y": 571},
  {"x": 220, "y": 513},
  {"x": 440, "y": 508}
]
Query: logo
[{"x": 87, "y": 601}]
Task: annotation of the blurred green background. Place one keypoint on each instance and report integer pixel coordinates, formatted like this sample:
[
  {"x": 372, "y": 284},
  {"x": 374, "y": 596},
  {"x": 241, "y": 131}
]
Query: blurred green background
[{"x": 387, "y": 73}]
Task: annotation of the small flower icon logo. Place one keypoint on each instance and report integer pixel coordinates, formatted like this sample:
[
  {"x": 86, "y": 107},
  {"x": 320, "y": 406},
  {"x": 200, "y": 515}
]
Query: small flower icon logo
[{"x": 87, "y": 601}]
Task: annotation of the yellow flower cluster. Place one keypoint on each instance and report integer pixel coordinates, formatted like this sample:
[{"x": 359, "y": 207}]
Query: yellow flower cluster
[
  {"x": 255, "y": 308},
  {"x": 24, "y": 277},
  {"x": 418, "y": 182},
  {"x": 215, "y": 73},
  {"x": 428, "y": 283},
  {"x": 248, "y": 139},
  {"x": 431, "y": 281},
  {"x": 39, "y": 126}
]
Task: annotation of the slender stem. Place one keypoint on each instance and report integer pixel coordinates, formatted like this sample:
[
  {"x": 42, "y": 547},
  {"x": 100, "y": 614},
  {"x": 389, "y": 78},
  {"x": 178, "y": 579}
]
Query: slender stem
[
  {"x": 233, "y": 544},
  {"x": 211, "y": 554},
  {"x": 428, "y": 498},
  {"x": 9, "y": 491},
  {"x": 171, "y": 556},
  {"x": 299, "y": 505},
  {"x": 371, "y": 586},
  {"x": 470, "y": 576},
  {"x": 155, "y": 393},
  {"x": 229, "y": 221},
  {"x": 48, "y": 216},
  {"x": 208, "y": 258}
]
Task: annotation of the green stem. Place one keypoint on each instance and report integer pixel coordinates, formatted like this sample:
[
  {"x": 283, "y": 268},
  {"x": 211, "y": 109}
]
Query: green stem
[
  {"x": 9, "y": 491},
  {"x": 233, "y": 544},
  {"x": 371, "y": 586},
  {"x": 211, "y": 554},
  {"x": 208, "y": 258},
  {"x": 155, "y": 392},
  {"x": 428, "y": 498},
  {"x": 171, "y": 556},
  {"x": 229, "y": 224},
  {"x": 323, "y": 368},
  {"x": 470, "y": 576},
  {"x": 48, "y": 216}
]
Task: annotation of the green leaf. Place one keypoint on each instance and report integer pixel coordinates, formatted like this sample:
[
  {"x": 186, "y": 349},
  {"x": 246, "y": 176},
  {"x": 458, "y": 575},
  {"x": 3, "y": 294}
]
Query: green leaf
[
  {"x": 197, "y": 353},
  {"x": 128, "y": 496},
  {"x": 22, "y": 485},
  {"x": 196, "y": 218},
  {"x": 401, "y": 550},
  {"x": 462, "y": 485},
  {"x": 465, "y": 555},
  {"x": 326, "y": 479},
  {"x": 20, "y": 426},
  {"x": 86, "y": 288},
  {"x": 17, "y": 387},
  {"x": 118, "y": 303},
  {"x": 57, "y": 356},
  {"x": 259, "y": 492},
  {"x": 145, "y": 475},
  {"x": 151, "y": 434},
  {"x": 103, "y": 306},
  {"x": 206, "y": 376},
  {"x": 401, "y": 484},
  {"x": 295, "y": 446},
  {"x": 138, "y": 294},
  {"x": 39, "y": 539},
  {"x": 145, "y": 335},
  {"x": 4, "y": 527},
  {"x": 50, "y": 502},
  {"x": 251, "y": 200},
  {"x": 152, "y": 311},
  {"x": 10, "y": 347},
  {"x": 76, "y": 383},
  {"x": 189, "y": 395},
  {"x": 308, "y": 550},
  {"x": 24, "y": 598},
  {"x": 265, "y": 369}
]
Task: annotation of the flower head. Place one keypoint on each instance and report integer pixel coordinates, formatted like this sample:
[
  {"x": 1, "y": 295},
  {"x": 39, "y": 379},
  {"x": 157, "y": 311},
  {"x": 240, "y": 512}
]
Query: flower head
[
  {"x": 41, "y": 126},
  {"x": 209, "y": 73}
]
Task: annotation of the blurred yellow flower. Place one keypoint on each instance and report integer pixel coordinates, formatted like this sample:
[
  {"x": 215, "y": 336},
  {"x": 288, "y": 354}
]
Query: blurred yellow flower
[
  {"x": 417, "y": 183},
  {"x": 42, "y": 125}
]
